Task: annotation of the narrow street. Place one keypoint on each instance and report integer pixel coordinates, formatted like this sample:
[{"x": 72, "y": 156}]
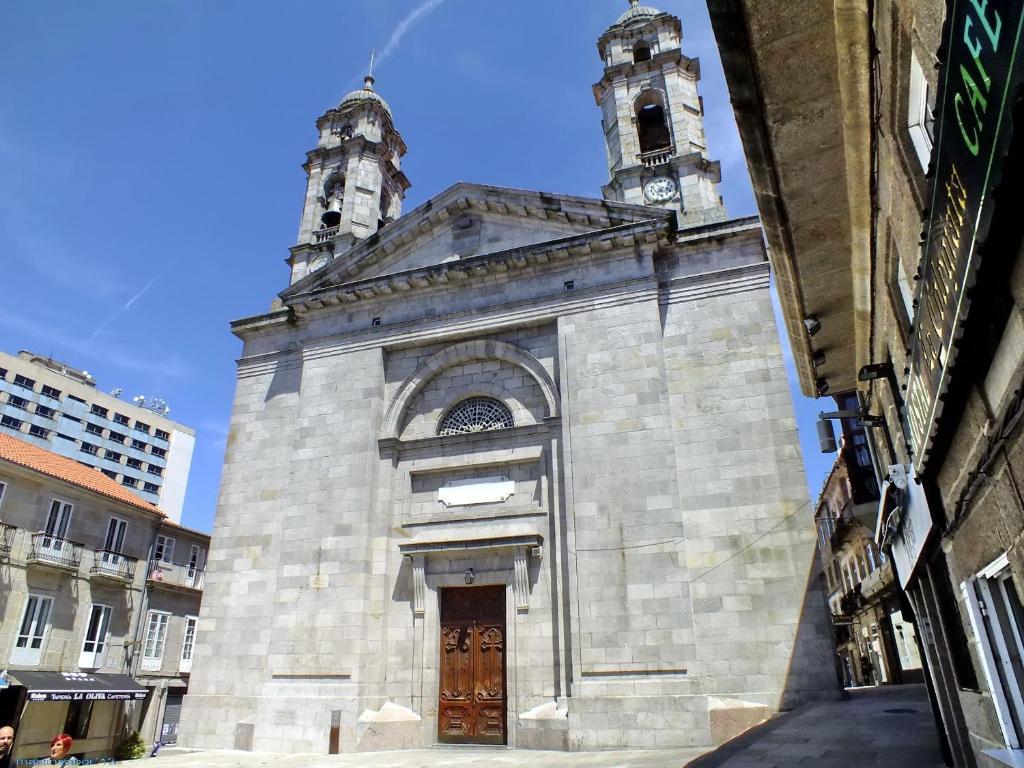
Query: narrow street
[{"x": 875, "y": 727}]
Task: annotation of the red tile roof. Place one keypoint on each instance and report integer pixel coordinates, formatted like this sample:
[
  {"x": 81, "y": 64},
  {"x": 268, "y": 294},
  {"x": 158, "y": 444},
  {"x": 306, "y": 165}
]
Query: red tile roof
[{"x": 48, "y": 463}]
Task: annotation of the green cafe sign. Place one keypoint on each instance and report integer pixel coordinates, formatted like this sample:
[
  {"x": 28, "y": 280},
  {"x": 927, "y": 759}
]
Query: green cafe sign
[{"x": 981, "y": 72}]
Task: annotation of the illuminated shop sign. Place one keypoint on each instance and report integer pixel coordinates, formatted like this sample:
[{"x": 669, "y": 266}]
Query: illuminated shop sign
[{"x": 981, "y": 70}]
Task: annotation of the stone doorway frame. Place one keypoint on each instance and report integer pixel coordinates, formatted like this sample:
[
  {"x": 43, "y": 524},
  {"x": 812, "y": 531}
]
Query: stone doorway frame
[{"x": 503, "y": 561}]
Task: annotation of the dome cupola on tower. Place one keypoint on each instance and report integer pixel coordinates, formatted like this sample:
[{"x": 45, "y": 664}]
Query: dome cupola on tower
[
  {"x": 637, "y": 12},
  {"x": 364, "y": 94}
]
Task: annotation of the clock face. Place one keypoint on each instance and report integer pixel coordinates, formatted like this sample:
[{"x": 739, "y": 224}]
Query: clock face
[
  {"x": 316, "y": 262},
  {"x": 659, "y": 189}
]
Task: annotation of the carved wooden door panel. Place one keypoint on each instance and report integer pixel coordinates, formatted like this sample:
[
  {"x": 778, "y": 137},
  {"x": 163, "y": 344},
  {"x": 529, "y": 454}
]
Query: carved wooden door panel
[{"x": 471, "y": 707}]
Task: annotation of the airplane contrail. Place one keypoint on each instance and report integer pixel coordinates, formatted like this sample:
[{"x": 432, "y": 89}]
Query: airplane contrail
[
  {"x": 404, "y": 26},
  {"x": 126, "y": 306}
]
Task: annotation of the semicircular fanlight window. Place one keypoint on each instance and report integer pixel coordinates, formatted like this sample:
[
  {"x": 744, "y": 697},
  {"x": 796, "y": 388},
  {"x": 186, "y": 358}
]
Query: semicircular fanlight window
[{"x": 477, "y": 414}]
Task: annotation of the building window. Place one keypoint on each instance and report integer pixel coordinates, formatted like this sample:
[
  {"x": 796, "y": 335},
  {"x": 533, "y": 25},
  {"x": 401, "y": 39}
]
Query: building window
[
  {"x": 164, "y": 549},
  {"x": 89, "y": 448},
  {"x": 138, "y": 445},
  {"x": 156, "y": 638},
  {"x": 109, "y": 473},
  {"x": 76, "y": 399},
  {"x": 133, "y": 463},
  {"x": 997, "y": 617},
  {"x": 37, "y": 431},
  {"x": 23, "y": 381},
  {"x": 155, "y": 471},
  {"x": 93, "y": 429},
  {"x": 641, "y": 51},
  {"x": 10, "y": 422},
  {"x": 51, "y": 392},
  {"x": 112, "y": 455},
  {"x": 45, "y": 412},
  {"x": 920, "y": 113},
  {"x": 477, "y": 414},
  {"x": 98, "y": 410},
  {"x": 116, "y": 437},
  {"x": 120, "y": 418},
  {"x": 188, "y": 645},
  {"x": 95, "y": 637},
  {"x": 3, "y": 487},
  {"x": 17, "y": 402},
  {"x": 141, "y": 427},
  {"x": 158, "y": 452},
  {"x": 151, "y": 488},
  {"x": 131, "y": 482},
  {"x": 35, "y": 621},
  {"x": 163, "y": 435}
]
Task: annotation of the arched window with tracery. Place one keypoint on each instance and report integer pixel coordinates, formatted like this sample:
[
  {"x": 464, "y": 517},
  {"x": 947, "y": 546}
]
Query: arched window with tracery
[
  {"x": 476, "y": 414},
  {"x": 652, "y": 121}
]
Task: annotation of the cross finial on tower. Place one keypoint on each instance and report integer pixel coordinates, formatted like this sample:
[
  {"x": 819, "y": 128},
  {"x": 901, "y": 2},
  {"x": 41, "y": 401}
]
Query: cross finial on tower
[{"x": 368, "y": 81}]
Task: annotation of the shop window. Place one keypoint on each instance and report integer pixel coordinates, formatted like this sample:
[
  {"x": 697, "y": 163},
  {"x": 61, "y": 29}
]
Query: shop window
[
  {"x": 997, "y": 618},
  {"x": 76, "y": 724}
]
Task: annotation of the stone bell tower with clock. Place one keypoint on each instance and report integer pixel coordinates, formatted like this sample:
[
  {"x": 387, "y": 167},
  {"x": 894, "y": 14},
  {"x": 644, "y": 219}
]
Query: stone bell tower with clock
[
  {"x": 653, "y": 119},
  {"x": 355, "y": 184}
]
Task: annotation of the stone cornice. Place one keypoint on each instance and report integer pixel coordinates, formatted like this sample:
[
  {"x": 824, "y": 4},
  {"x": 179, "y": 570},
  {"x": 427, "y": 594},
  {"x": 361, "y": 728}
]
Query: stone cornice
[
  {"x": 720, "y": 282},
  {"x": 651, "y": 67},
  {"x": 269, "y": 321},
  {"x": 589, "y": 212},
  {"x": 506, "y": 262},
  {"x": 460, "y": 324}
]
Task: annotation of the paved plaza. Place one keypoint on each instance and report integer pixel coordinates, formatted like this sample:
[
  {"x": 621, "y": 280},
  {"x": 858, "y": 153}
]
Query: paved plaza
[{"x": 878, "y": 727}]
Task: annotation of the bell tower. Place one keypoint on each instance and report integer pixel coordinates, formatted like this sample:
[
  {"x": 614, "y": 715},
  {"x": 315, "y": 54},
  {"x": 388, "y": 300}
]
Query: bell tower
[
  {"x": 653, "y": 119},
  {"x": 355, "y": 184}
]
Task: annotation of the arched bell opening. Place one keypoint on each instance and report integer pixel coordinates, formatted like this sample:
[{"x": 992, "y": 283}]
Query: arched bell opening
[
  {"x": 332, "y": 200},
  {"x": 384, "y": 211},
  {"x": 652, "y": 122}
]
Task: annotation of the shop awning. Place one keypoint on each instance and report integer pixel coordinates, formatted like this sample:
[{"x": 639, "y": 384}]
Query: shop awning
[{"x": 78, "y": 686}]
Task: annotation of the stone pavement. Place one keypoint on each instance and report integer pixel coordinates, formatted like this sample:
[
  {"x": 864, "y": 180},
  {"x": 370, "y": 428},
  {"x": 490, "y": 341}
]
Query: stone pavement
[{"x": 874, "y": 728}]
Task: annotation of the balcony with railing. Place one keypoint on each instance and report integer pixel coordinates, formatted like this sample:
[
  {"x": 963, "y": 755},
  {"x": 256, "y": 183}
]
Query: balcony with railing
[
  {"x": 6, "y": 539},
  {"x": 112, "y": 566},
  {"x": 323, "y": 235},
  {"x": 658, "y": 156},
  {"x": 175, "y": 576},
  {"x": 53, "y": 552}
]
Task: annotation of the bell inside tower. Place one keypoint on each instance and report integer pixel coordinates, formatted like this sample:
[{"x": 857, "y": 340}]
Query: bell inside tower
[
  {"x": 333, "y": 199},
  {"x": 651, "y": 122}
]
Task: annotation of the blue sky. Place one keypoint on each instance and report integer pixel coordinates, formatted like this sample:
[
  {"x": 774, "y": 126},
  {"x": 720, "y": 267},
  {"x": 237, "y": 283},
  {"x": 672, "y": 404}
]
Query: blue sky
[{"x": 149, "y": 162}]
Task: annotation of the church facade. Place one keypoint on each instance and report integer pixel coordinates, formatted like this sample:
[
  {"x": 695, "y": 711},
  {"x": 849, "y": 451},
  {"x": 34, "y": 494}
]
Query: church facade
[{"x": 514, "y": 467}]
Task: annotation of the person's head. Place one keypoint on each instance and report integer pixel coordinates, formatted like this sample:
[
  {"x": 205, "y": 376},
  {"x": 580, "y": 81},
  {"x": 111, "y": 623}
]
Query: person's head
[
  {"x": 60, "y": 746},
  {"x": 6, "y": 739}
]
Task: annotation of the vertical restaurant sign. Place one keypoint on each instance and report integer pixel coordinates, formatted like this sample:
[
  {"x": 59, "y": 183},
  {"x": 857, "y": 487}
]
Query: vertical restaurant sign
[{"x": 981, "y": 71}]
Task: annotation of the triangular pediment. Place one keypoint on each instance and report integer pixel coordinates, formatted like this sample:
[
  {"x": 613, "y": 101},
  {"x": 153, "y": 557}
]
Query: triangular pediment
[{"x": 466, "y": 221}]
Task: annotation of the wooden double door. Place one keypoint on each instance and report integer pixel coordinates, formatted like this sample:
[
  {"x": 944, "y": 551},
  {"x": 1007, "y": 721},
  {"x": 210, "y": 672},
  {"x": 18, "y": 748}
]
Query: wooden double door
[{"x": 471, "y": 708}]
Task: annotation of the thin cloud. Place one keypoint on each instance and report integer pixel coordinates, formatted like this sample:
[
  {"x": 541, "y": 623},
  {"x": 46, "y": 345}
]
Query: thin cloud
[
  {"x": 125, "y": 307},
  {"x": 404, "y": 26},
  {"x": 169, "y": 366}
]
